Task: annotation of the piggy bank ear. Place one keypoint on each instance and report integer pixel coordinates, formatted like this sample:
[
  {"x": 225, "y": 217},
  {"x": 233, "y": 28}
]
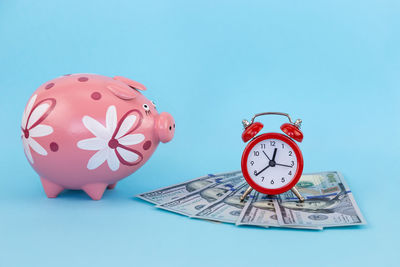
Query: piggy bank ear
[
  {"x": 131, "y": 83},
  {"x": 122, "y": 90}
]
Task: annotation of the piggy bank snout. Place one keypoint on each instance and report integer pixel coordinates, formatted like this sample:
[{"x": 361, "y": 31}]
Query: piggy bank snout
[{"x": 165, "y": 127}]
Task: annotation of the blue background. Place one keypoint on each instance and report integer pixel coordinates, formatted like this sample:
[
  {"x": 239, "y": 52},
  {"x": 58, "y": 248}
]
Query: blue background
[{"x": 335, "y": 64}]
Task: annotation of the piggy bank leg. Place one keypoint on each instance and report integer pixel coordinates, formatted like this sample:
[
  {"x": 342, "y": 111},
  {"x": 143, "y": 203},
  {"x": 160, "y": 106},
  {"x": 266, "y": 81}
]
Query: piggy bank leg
[
  {"x": 51, "y": 189},
  {"x": 95, "y": 191},
  {"x": 111, "y": 186}
]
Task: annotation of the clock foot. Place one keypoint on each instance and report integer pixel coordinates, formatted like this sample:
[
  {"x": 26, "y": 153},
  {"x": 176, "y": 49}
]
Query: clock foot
[
  {"x": 297, "y": 193},
  {"x": 246, "y": 193}
]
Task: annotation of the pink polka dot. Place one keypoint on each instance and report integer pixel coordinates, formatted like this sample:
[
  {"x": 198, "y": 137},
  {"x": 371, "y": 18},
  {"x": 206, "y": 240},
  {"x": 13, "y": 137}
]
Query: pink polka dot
[
  {"x": 48, "y": 86},
  {"x": 83, "y": 79},
  {"x": 96, "y": 95},
  {"x": 54, "y": 146}
]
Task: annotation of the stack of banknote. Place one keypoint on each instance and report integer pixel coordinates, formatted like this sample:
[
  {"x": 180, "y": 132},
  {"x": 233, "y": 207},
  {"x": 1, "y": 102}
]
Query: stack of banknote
[{"x": 216, "y": 197}]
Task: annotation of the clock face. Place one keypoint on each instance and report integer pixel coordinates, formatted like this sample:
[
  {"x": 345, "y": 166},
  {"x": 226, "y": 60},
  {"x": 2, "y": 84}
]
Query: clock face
[{"x": 273, "y": 163}]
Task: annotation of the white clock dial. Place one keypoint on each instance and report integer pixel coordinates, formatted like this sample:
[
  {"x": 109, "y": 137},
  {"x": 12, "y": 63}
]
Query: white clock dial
[{"x": 272, "y": 163}]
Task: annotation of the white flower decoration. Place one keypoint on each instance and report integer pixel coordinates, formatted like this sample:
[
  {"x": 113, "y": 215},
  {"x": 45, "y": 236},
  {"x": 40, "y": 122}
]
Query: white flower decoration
[
  {"x": 112, "y": 141},
  {"x": 31, "y": 127}
]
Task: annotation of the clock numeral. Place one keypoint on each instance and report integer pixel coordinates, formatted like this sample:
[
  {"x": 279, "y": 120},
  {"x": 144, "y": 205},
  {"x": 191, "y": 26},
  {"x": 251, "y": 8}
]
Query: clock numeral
[
  {"x": 290, "y": 153},
  {"x": 290, "y": 173},
  {"x": 272, "y": 143},
  {"x": 272, "y": 182},
  {"x": 283, "y": 145},
  {"x": 252, "y": 163},
  {"x": 256, "y": 153},
  {"x": 262, "y": 146},
  {"x": 283, "y": 179},
  {"x": 292, "y": 163},
  {"x": 255, "y": 172},
  {"x": 262, "y": 177}
]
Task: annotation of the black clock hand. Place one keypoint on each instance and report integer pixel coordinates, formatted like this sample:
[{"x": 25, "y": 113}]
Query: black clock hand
[
  {"x": 283, "y": 165},
  {"x": 266, "y": 155},
  {"x": 271, "y": 162},
  {"x": 262, "y": 170},
  {"x": 273, "y": 157}
]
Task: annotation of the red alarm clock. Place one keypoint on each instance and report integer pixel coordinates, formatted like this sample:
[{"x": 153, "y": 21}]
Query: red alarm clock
[{"x": 272, "y": 163}]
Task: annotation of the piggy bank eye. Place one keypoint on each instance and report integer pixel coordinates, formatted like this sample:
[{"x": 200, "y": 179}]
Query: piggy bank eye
[
  {"x": 154, "y": 104},
  {"x": 146, "y": 107}
]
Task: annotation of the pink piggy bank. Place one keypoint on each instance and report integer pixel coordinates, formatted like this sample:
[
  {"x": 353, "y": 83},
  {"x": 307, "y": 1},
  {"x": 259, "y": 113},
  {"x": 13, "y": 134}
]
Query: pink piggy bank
[{"x": 87, "y": 131}]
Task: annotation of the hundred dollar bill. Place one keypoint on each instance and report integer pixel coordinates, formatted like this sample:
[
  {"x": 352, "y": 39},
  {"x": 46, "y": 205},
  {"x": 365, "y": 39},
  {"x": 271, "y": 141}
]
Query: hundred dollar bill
[
  {"x": 227, "y": 209},
  {"x": 260, "y": 211},
  {"x": 195, "y": 202},
  {"x": 177, "y": 191},
  {"x": 329, "y": 203},
  {"x": 318, "y": 184}
]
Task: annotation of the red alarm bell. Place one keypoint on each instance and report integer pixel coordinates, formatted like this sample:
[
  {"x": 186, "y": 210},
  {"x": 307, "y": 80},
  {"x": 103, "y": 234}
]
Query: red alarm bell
[{"x": 272, "y": 163}]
